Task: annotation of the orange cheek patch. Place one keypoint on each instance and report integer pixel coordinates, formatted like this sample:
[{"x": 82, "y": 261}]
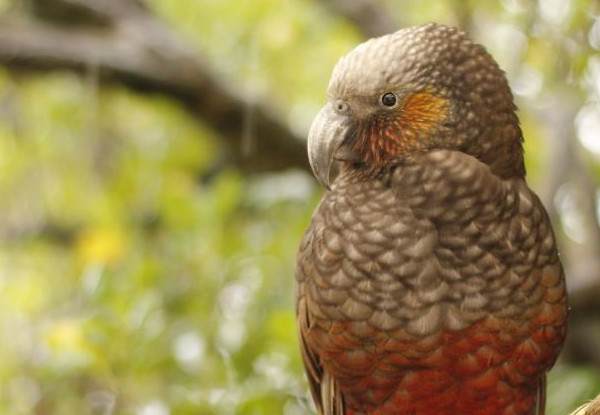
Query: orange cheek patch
[
  {"x": 400, "y": 132},
  {"x": 424, "y": 111}
]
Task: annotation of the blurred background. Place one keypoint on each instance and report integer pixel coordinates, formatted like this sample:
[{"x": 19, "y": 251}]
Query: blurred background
[{"x": 154, "y": 187}]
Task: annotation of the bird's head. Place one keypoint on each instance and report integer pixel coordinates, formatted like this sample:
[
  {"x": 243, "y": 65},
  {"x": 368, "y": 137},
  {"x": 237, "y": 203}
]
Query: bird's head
[{"x": 419, "y": 89}]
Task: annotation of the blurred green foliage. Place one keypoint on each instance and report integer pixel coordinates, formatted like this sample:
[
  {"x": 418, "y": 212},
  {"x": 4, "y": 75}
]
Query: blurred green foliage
[{"x": 128, "y": 285}]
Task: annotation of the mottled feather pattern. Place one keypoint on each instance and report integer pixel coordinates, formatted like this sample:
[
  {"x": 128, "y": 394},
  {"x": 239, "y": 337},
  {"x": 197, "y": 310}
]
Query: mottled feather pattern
[
  {"x": 396, "y": 273},
  {"x": 429, "y": 279}
]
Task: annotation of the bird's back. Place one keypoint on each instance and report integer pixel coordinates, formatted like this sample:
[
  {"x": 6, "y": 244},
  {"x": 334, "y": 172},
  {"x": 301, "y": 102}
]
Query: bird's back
[{"x": 432, "y": 287}]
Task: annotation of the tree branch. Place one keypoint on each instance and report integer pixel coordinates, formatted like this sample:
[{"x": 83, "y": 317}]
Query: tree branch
[{"x": 137, "y": 51}]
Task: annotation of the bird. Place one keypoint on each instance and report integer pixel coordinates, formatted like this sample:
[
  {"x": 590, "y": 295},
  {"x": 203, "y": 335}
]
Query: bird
[{"x": 428, "y": 279}]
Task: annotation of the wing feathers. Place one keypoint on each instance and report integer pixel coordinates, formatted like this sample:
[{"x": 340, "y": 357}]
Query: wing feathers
[{"x": 323, "y": 388}]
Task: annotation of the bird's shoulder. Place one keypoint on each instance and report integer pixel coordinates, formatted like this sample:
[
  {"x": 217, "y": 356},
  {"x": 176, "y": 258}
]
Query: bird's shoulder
[
  {"x": 442, "y": 204},
  {"x": 450, "y": 177},
  {"x": 430, "y": 184}
]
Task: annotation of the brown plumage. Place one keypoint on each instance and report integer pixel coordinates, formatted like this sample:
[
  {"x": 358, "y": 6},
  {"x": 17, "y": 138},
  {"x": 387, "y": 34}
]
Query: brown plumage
[{"x": 429, "y": 280}]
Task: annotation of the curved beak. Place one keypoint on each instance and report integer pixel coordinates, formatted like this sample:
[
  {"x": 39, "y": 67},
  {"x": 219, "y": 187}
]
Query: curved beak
[{"x": 325, "y": 137}]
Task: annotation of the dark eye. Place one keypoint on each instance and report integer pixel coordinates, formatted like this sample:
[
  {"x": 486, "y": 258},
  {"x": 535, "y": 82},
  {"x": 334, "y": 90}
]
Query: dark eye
[{"x": 388, "y": 99}]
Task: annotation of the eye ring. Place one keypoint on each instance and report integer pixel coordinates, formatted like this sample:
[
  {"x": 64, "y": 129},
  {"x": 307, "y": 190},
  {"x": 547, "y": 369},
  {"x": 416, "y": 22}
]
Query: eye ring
[
  {"x": 341, "y": 107},
  {"x": 388, "y": 99}
]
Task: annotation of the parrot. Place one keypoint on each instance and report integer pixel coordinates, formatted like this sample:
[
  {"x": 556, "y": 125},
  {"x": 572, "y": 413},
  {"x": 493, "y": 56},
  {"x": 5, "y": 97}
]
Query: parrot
[{"x": 428, "y": 279}]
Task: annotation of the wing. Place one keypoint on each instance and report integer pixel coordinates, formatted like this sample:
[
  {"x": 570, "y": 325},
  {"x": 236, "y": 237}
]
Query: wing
[
  {"x": 439, "y": 245},
  {"x": 323, "y": 388},
  {"x": 501, "y": 240}
]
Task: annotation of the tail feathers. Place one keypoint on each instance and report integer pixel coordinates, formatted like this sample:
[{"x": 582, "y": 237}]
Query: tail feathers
[
  {"x": 332, "y": 399},
  {"x": 540, "y": 404}
]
